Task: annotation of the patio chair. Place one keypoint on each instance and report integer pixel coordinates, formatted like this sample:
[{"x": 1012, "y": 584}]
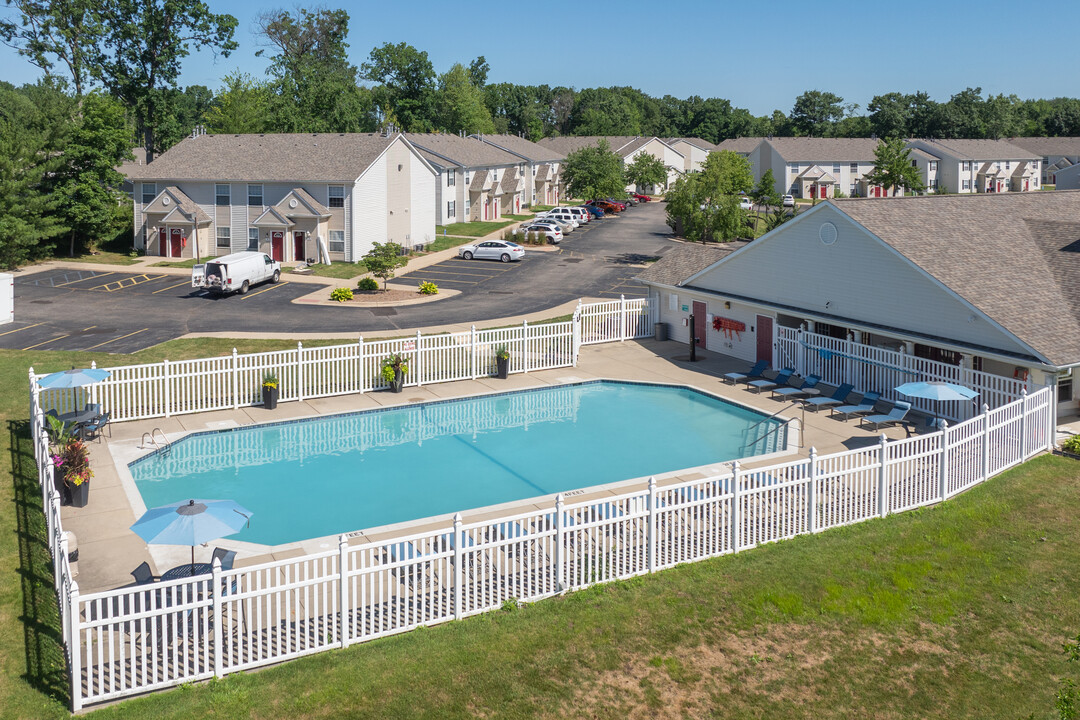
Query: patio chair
[
  {"x": 143, "y": 574},
  {"x": 866, "y": 405},
  {"x": 93, "y": 428},
  {"x": 837, "y": 398},
  {"x": 225, "y": 556},
  {"x": 753, "y": 373},
  {"x": 792, "y": 391},
  {"x": 899, "y": 411},
  {"x": 781, "y": 378}
]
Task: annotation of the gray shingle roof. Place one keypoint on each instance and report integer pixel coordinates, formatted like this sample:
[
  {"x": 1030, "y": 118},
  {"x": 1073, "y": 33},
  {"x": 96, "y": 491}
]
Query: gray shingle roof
[
  {"x": 825, "y": 150},
  {"x": 685, "y": 260},
  {"x": 696, "y": 142},
  {"x": 282, "y": 157},
  {"x": 510, "y": 180},
  {"x": 461, "y": 151},
  {"x": 478, "y": 181},
  {"x": 524, "y": 148},
  {"x": 920, "y": 153},
  {"x": 742, "y": 145},
  {"x": 980, "y": 149},
  {"x": 569, "y": 143},
  {"x": 1046, "y": 146}
]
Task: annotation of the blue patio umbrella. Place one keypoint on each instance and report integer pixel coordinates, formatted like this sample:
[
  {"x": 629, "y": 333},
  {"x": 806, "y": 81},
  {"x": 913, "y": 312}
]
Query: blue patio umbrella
[
  {"x": 73, "y": 378},
  {"x": 936, "y": 390},
  {"x": 191, "y": 522}
]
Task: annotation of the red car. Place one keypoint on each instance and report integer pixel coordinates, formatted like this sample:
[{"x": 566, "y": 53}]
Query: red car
[
  {"x": 643, "y": 198},
  {"x": 606, "y": 206}
]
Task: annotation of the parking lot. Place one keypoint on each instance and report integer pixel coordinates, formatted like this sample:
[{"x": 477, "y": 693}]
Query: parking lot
[{"x": 465, "y": 275}]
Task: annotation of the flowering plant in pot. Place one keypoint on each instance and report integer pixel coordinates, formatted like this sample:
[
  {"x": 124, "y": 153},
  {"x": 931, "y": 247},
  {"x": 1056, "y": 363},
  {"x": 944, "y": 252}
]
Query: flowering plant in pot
[
  {"x": 502, "y": 362},
  {"x": 270, "y": 391},
  {"x": 393, "y": 371},
  {"x": 73, "y": 463}
]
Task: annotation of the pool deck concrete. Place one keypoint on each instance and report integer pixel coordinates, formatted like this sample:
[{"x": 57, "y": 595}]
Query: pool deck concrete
[{"x": 109, "y": 550}]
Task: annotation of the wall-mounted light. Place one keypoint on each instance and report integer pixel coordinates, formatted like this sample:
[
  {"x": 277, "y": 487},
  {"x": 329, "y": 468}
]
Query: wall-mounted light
[{"x": 727, "y": 304}]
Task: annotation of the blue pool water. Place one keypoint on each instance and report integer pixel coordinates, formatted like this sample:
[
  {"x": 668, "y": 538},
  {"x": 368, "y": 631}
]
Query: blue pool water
[{"x": 324, "y": 476}]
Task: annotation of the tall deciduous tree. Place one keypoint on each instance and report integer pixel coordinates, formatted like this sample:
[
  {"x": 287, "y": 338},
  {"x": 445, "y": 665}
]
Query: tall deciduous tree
[
  {"x": 726, "y": 173},
  {"x": 646, "y": 170},
  {"x": 406, "y": 91},
  {"x": 242, "y": 105},
  {"x": 815, "y": 112},
  {"x": 51, "y": 32},
  {"x": 893, "y": 168},
  {"x": 594, "y": 172},
  {"x": 143, "y": 47},
  {"x": 764, "y": 193},
  {"x": 461, "y": 103}
]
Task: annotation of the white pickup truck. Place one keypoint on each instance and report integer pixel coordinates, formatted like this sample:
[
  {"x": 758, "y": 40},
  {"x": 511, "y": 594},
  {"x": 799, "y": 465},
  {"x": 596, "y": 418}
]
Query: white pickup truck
[{"x": 235, "y": 273}]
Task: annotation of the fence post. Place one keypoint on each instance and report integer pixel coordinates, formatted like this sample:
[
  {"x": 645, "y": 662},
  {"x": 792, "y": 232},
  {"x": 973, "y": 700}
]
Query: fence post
[
  {"x": 943, "y": 470},
  {"x": 299, "y": 371},
  {"x": 575, "y": 334},
  {"x": 343, "y": 589},
  {"x": 1051, "y": 418},
  {"x": 883, "y": 458},
  {"x": 74, "y": 651},
  {"x": 236, "y": 379},
  {"x": 459, "y": 565},
  {"x": 168, "y": 389},
  {"x": 472, "y": 353},
  {"x": 986, "y": 442},
  {"x": 652, "y": 525},
  {"x": 735, "y": 506},
  {"x": 560, "y": 553},
  {"x": 1023, "y": 424},
  {"x": 811, "y": 496},
  {"x": 418, "y": 362},
  {"x": 360, "y": 381},
  {"x": 622, "y": 318},
  {"x": 215, "y": 594}
]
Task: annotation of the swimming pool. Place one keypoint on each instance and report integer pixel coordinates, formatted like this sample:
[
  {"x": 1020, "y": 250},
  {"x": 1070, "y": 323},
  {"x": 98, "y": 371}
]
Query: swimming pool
[{"x": 324, "y": 476}]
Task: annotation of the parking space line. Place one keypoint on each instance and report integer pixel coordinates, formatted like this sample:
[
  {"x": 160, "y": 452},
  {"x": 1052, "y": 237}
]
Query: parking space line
[
  {"x": 186, "y": 282},
  {"x": 95, "y": 276},
  {"x": 435, "y": 271},
  {"x": 443, "y": 278},
  {"x": 27, "y": 327},
  {"x": 46, "y": 342},
  {"x": 272, "y": 287},
  {"x": 117, "y": 338}
]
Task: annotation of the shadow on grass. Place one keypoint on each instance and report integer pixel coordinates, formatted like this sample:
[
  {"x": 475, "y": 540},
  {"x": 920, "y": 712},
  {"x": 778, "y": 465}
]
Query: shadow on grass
[{"x": 46, "y": 662}]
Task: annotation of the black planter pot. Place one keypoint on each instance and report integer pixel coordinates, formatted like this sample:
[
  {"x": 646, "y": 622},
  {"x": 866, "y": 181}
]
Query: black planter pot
[
  {"x": 502, "y": 368},
  {"x": 62, "y": 487},
  {"x": 80, "y": 494},
  {"x": 270, "y": 396},
  {"x": 398, "y": 383}
]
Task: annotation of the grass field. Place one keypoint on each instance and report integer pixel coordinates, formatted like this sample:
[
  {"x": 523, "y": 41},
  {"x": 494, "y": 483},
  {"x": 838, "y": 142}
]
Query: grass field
[
  {"x": 189, "y": 263},
  {"x": 957, "y": 611},
  {"x": 472, "y": 229},
  {"x": 340, "y": 270},
  {"x": 105, "y": 257},
  {"x": 443, "y": 242}
]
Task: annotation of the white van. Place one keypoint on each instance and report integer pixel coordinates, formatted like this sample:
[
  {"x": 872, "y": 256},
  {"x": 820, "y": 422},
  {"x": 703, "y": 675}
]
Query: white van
[
  {"x": 235, "y": 273},
  {"x": 581, "y": 214},
  {"x": 563, "y": 216}
]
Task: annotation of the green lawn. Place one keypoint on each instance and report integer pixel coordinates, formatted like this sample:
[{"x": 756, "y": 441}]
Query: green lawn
[
  {"x": 105, "y": 257},
  {"x": 540, "y": 208},
  {"x": 955, "y": 611},
  {"x": 444, "y": 242},
  {"x": 472, "y": 229},
  {"x": 519, "y": 217},
  {"x": 189, "y": 263},
  {"x": 340, "y": 270}
]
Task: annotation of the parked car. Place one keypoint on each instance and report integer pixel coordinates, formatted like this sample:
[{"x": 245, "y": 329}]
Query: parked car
[
  {"x": 789, "y": 201},
  {"x": 562, "y": 216},
  {"x": 618, "y": 203},
  {"x": 629, "y": 201},
  {"x": 492, "y": 250},
  {"x": 746, "y": 203},
  {"x": 606, "y": 206},
  {"x": 642, "y": 198},
  {"x": 580, "y": 214},
  {"x": 594, "y": 211},
  {"x": 566, "y": 227},
  {"x": 235, "y": 273},
  {"x": 551, "y": 234}
]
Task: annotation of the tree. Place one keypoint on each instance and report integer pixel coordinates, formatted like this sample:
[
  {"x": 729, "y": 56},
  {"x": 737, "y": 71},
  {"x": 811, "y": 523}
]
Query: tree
[
  {"x": 726, "y": 173},
  {"x": 699, "y": 216},
  {"x": 406, "y": 92},
  {"x": 242, "y": 105},
  {"x": 646, "y": 170},
  {"x": 142, "y": 49},
  {"x": 893, "y": 168},
  {"x": 478, "y": 72},
  {"x": 317, "y": 35},
  {"x": 461, "y": 103},
  {"x": 764, "y": 193},
  {"x": 383, "y": 259},
  {"x": 605, "y": 111},
  {"x": 816, "y": 111},
  {"x": 594, "y": 172},
  {"x": 56, "y": 31}
]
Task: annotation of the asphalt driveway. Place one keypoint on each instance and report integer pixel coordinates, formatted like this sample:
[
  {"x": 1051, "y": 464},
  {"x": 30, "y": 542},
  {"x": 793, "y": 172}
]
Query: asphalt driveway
[{"x": 116, "y": 311}]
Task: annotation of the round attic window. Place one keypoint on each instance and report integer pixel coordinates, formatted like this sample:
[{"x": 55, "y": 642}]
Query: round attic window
[
  {"x": 165, "y": 201},
  {"x": 292, "y": 203},
  {"x": 827, "y": 233}
]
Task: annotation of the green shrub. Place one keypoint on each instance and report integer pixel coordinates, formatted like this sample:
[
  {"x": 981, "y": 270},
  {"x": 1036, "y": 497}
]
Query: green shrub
[
  {"x": 341, "y": 294},
  {"x": 1072, "y": 445},
  {"x": 368, "y": 283},
  {"x": 428, "y": 288}
]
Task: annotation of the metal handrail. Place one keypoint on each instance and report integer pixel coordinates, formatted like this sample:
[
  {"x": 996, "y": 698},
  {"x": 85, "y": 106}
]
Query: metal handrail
[
  {"x": 788, "y": 407},
  {"x": 784, "y": 425}
]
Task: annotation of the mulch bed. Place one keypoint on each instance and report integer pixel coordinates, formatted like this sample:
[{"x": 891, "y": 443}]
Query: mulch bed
[{"x": 382, "y": 296}]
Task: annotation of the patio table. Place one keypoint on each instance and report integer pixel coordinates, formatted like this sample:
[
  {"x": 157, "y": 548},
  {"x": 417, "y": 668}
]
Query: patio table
[{"x": 186, "y": 570}]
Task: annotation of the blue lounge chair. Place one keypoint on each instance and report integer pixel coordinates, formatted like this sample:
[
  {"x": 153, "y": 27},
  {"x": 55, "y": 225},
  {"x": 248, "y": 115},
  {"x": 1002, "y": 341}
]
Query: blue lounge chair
[
  {"x": 866, "y": 405},
  {"x": 792, "y": 391},
  {"x": 836, "y": 398},
  {"x": 781, "y": 378},
  {"x": 896, "y": 415},
  {"x": 751, "y": 374}
]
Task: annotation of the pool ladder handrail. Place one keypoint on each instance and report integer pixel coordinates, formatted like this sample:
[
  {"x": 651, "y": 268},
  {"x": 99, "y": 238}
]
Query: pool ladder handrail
[
  {"x": 162, "y": 449},
  {"x": 746, "y": 433}
]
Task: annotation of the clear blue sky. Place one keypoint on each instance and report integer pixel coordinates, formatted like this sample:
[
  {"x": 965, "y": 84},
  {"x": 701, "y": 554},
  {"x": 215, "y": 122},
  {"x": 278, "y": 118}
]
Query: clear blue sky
[{"x": 759, "y": 55}]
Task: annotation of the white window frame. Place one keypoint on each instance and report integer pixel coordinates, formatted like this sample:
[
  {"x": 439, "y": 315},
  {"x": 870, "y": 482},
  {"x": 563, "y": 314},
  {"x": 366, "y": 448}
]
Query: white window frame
[
  {"x": 965, "y": 166},
  {"x": 836, "y": 169},
  {"x": 468, "y": 207},
  {"x": 218, "y": 194},
  {"x": 250, "y": 195},
  {"x": 793, "y": 168},
  {"x": 223, "y": 232},
  {"x": 253, "y": 238},
  {"x": 494, "y": 175},
  {"x": 854, "y": 168},
  {"x": 932, "y": 165},
  {"x": 451, "y": 209},
  {"x": 336, "y": 243},
  {"x": 331, "y": 197},
  {"x": 152, "y": 192},
  {"x": 966, "y": 185},
  {"x": 451, "y": 177}
]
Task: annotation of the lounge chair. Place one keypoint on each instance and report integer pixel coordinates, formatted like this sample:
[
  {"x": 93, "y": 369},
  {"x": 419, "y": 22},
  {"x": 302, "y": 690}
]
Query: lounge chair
[
  {"x": 792, "y": 391},
  {"x": 753, "y": 373},
  {"x": 93, "y": 428},
  {"x": 781, "y": 378},
  {"x": 837, "y": 398},
  {"x": 896, "y": 415},
  {"x": 227, "y": 558},
  {"x": 866, "y": 405}
]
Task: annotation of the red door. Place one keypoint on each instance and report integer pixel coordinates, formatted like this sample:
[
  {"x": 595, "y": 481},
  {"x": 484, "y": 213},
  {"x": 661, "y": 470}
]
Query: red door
[
  {"x": 176, "y": 242},
  {"x": 1026, "y": 188},
  {"x": 298, "y": 246},
  {"x": 824, "y": 193},
  {"x": 277, "y": 245},
  {"x": 699, "y": 324},
  {"x": 162, "y": 238},
  {"x": 877, "y": 192},
  {"x": 764, "y": 339}
]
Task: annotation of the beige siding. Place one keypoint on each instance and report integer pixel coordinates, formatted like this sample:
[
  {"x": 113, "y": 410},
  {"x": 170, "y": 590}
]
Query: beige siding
[
  {"x": 422, "y": 210},
  {"x": 399, "y": 193}
]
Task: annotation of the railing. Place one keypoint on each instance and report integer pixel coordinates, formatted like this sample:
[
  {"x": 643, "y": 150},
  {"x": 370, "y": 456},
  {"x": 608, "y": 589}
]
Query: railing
[
  {"x": 873, "y": 368},
  {"x": 137, "y": 392},
  {"x": 131, "y": 640}
]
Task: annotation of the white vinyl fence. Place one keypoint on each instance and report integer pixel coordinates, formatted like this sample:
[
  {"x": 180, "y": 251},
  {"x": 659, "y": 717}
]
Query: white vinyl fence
[{"x": 873, "y": 368}]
